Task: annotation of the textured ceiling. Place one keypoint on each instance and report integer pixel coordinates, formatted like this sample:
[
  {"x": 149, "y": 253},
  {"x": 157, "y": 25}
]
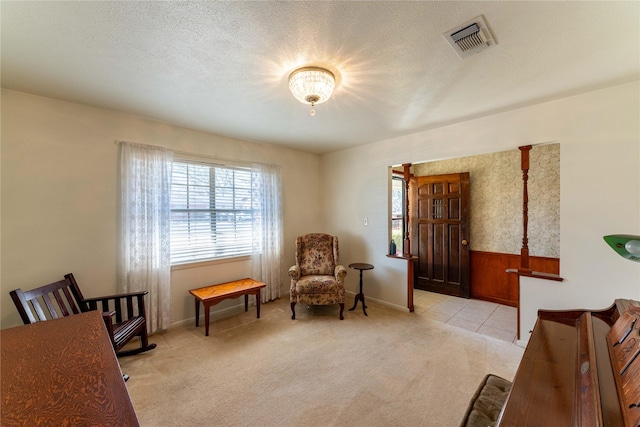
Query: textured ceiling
[{"x": 222, "y": 67}]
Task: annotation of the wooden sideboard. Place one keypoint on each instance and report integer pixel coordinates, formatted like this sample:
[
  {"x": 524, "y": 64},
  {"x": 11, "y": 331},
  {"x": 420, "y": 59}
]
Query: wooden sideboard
[{"x": 62, "y": 372}]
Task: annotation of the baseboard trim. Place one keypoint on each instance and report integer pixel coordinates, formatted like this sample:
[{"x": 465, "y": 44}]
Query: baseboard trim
[
  {"x": 239, "y": 308},
  {"x": 214, "y": 315},
  {"x": 381, "y": 302}
]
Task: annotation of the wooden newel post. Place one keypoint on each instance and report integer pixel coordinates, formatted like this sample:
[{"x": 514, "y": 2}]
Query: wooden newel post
[
  {"x": 524, "y": 252},
  {"x": 406, "y": 246}
]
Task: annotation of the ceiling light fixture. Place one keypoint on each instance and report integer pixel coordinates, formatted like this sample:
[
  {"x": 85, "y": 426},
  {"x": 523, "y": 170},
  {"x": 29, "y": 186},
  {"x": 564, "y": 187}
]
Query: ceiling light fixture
[{"x": 312, "y": 85}]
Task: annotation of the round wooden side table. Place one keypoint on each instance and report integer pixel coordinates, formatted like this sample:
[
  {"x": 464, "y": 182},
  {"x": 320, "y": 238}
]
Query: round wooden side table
[{"x": 360, "y": 296}]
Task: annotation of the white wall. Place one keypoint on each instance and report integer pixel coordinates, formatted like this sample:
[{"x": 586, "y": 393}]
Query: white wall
[
  {"x": 59, "y": 182},
  {"x": 599, "y": 136}
]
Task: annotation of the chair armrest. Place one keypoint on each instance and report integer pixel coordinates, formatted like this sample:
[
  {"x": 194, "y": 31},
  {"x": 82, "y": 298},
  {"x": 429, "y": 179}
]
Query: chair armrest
[
  {"x": 294, "y": 272},
  {"x": 107, "y": 316},
  {"x": 129, "y": 294},
  {"x": 340, "y": 273},
  {"x": 133, "y": 305}
]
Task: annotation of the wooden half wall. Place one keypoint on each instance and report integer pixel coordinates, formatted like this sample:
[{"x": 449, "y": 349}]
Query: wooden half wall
[{"x": 489, "y": 280}]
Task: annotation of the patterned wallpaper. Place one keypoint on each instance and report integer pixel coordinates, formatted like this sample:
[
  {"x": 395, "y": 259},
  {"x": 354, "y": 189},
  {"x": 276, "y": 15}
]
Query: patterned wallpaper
[{"x": 496, "y": 199}]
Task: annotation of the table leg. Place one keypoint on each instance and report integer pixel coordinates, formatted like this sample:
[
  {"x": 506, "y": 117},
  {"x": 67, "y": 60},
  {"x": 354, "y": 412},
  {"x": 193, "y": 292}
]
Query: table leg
[
  {"x": 364, "y": 306},
  {"x": 206, "y": 319},
  {"x": 258, "y": 303},
  {"x": 355, "y": 303},
  {"x": 360, "y": 297},
  {"x": 246, "y": 302},
  {"x": 197, "y": 312}
]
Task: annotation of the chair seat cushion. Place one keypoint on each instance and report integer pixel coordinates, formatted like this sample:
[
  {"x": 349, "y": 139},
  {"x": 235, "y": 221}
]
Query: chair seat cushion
[
  {"x": 316, "y": 285},
  {"x": 486, "y": 404}
]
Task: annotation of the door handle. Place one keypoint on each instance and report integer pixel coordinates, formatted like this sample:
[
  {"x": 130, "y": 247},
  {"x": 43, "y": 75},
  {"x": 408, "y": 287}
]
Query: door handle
[{"x": 464, "y": 242}]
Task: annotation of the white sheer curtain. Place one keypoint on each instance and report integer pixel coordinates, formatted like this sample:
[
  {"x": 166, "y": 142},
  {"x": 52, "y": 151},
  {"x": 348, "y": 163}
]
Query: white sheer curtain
[
  {"x": 144, "y": 262},
  {"x": 267, "y": 228}
]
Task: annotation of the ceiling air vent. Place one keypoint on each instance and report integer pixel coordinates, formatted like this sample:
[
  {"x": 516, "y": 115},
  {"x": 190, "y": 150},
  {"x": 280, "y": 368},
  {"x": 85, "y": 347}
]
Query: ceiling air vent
[{"x": 470, "y": 38}]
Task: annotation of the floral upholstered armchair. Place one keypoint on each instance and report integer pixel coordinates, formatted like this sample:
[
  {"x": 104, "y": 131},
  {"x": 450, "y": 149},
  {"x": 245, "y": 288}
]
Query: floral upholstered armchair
[{"x": 317, "y": 278}]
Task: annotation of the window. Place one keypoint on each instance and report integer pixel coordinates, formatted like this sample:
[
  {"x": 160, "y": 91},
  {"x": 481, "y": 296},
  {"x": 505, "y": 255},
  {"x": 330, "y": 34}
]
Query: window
[
  {"x": 397, "y": 211},
  {"x": 211, "y": 211}
]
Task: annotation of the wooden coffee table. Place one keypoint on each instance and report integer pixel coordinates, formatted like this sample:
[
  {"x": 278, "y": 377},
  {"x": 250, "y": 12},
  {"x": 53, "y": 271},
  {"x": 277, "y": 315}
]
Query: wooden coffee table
[{"x": 211, "y": 295}]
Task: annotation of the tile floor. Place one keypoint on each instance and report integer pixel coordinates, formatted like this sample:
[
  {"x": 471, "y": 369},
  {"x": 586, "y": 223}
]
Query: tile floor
[{"x": 486, "y": 318}]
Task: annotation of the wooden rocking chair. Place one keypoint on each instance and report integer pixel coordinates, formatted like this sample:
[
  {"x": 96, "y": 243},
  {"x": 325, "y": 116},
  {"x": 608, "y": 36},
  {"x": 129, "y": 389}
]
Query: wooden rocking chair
[{"x": 63, "y": 298}]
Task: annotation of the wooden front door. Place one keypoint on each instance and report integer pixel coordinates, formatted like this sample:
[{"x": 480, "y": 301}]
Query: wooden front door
[{"x": 439, "y": 220}]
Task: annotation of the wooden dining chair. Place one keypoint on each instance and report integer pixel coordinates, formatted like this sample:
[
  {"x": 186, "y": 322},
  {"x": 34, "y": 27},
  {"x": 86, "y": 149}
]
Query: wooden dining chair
[{"x": 123, "y": 314}]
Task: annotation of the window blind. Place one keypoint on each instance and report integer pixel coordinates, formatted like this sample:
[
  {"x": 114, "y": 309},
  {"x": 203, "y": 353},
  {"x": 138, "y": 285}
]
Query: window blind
[{"x": 211, "y": 211}]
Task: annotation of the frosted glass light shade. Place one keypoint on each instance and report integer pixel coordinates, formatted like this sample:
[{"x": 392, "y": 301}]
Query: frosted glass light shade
[{"x": 312, "y": 85}]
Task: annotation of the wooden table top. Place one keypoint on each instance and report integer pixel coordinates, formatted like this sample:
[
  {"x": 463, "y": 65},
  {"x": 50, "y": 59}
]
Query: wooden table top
[
  {"x": 63, "y": 372},
  {"x": 361, "y": 266},
  {"x": 227, "y": 289}
]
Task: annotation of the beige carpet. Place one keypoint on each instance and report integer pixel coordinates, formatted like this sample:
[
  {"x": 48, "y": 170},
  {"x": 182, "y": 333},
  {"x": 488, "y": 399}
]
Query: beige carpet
[{"x": 388, "y": 369}]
